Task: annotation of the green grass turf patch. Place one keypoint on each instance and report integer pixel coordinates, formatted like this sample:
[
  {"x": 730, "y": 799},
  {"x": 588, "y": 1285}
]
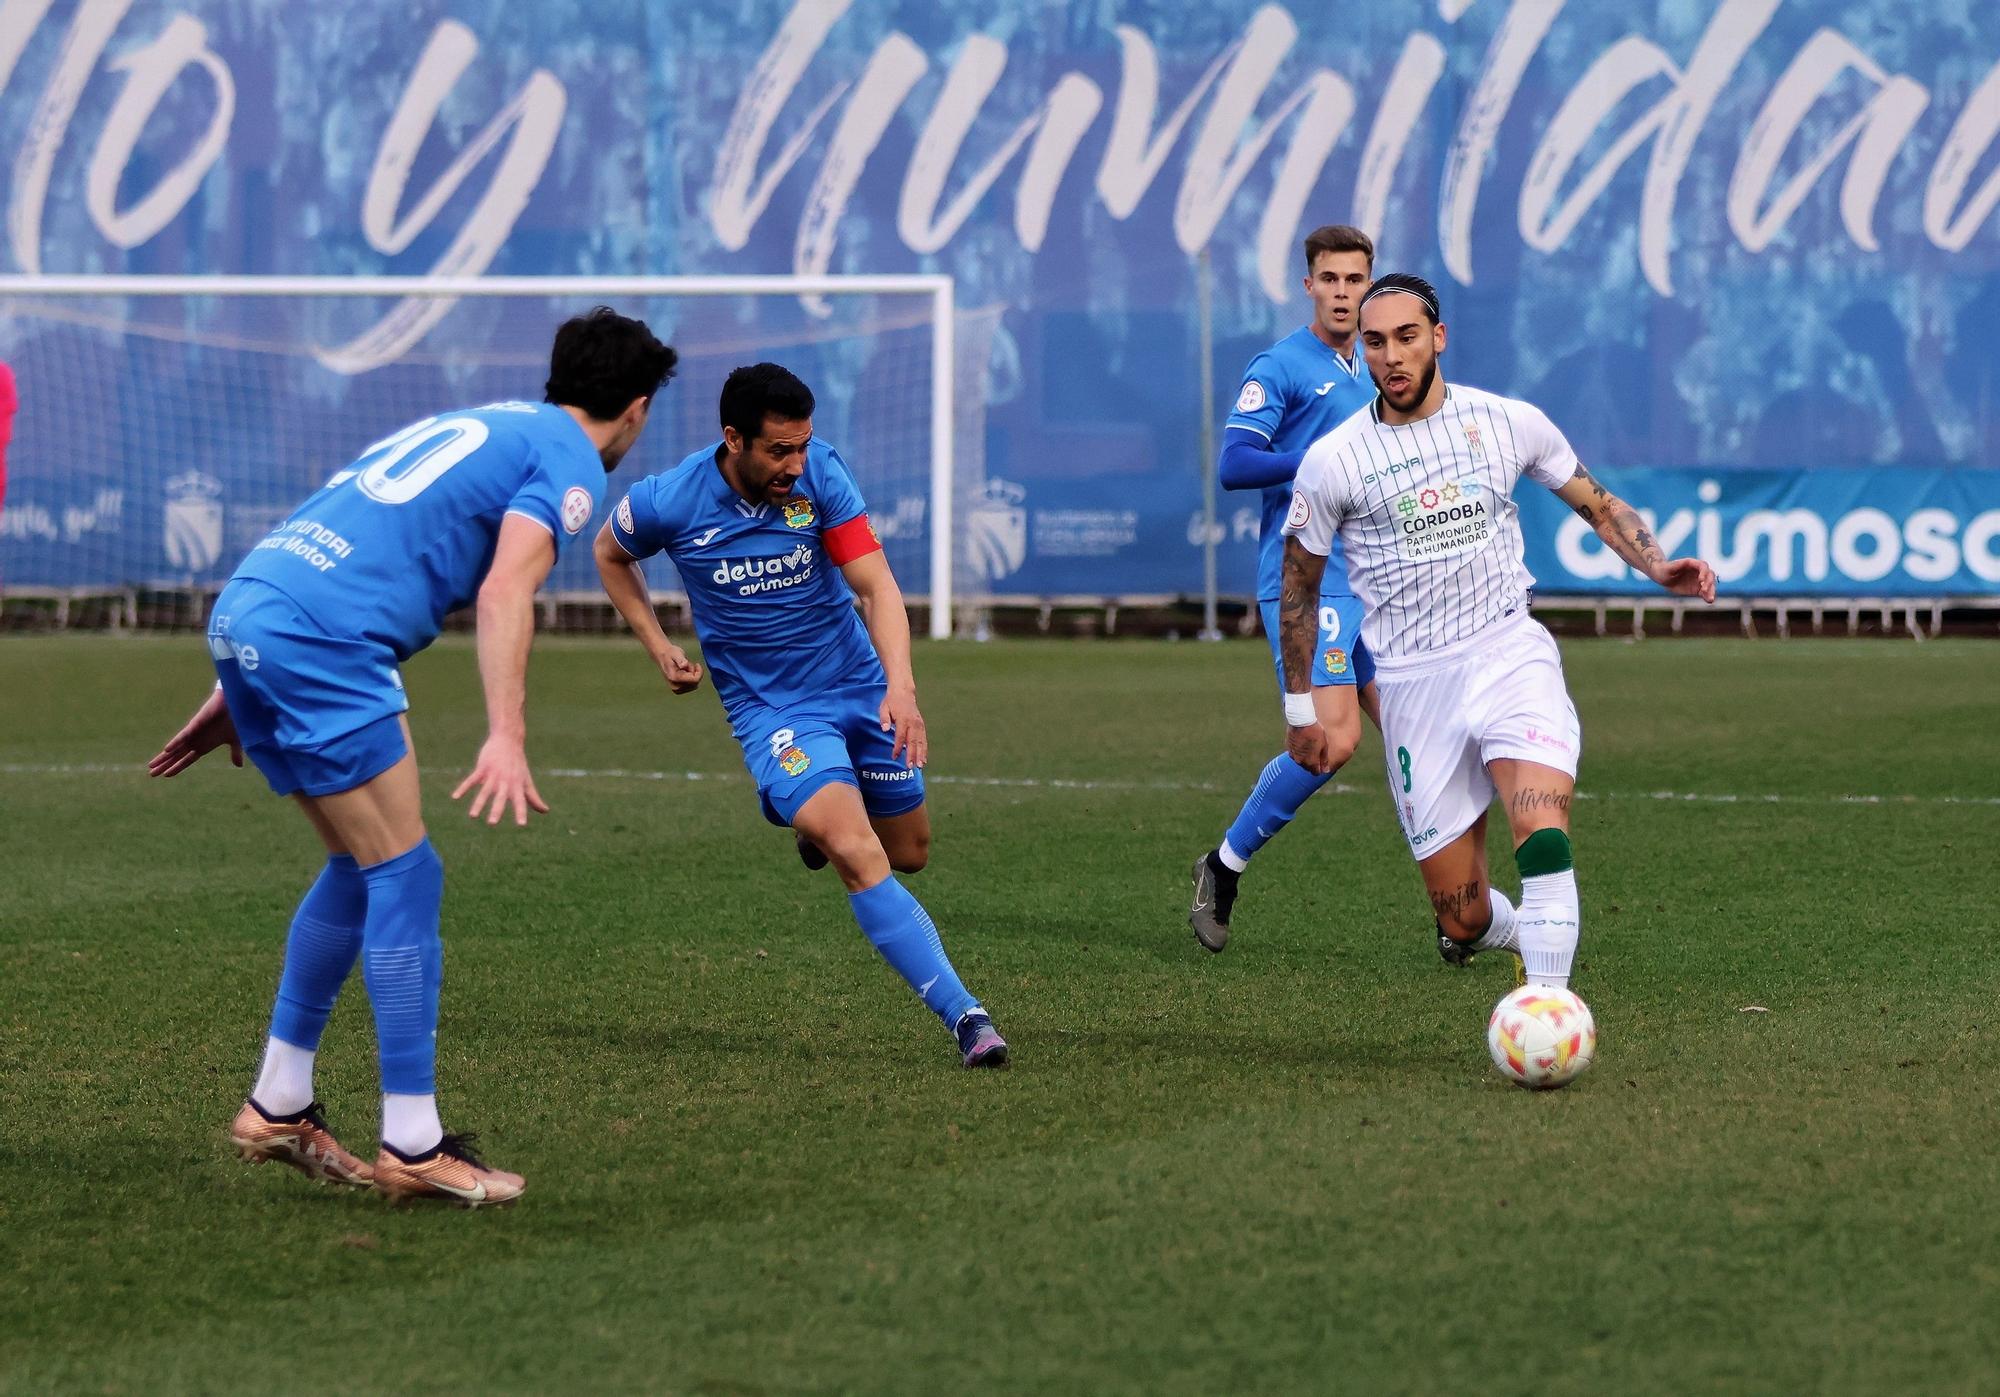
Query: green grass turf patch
[{"x": 754, "y": 1165}]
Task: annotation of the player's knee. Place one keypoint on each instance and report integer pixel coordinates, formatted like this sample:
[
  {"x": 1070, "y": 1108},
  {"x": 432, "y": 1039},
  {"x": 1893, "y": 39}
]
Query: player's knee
[
  {"x": 856, "y": 855},
  {"x": 1340, "y": 744},
  {"x": 911, "y": 854}
]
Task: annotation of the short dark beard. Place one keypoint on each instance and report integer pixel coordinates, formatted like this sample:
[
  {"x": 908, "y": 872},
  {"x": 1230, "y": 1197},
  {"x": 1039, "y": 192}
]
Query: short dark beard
[{"x": 1423, "y": 389}]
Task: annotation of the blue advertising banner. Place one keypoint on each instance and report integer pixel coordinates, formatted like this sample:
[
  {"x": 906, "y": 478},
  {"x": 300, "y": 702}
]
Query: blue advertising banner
[
  {"x": 1719, "y": 234},
  {"x": 1770, "y": 533}
]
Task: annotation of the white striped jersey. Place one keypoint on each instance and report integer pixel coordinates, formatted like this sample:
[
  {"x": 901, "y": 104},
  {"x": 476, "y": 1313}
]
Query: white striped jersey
[{"x": 1425, "y": 512}]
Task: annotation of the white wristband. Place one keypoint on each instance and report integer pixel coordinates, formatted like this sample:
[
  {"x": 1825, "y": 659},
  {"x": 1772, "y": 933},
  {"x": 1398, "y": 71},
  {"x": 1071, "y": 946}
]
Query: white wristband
[{"x": 1299, "y": 711}]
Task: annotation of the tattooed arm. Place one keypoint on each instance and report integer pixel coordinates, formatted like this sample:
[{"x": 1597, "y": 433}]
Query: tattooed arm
[
  {"x": 1626, "y": 534},
  {"x": 1298, "y": 631}
]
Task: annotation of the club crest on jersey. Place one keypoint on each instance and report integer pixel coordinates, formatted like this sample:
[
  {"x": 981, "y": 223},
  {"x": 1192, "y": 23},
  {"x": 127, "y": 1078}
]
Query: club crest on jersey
[
  {"x": 799, "y": 513},
  {"x": 1335, "y": 660},
  {"x": 794, "y": 760},
  {"x": 575, "y": 508},
  {"x": 1252, "y": 396},
  {"x": 1473, "y": 448}
]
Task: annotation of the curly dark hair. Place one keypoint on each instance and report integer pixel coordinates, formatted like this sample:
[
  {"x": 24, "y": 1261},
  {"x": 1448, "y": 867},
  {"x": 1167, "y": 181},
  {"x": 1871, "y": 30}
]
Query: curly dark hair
[{"x": 603, "y": 360}]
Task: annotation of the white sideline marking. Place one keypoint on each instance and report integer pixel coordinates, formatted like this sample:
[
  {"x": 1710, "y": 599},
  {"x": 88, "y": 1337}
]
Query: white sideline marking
[{"x": 1037, "y": 783}]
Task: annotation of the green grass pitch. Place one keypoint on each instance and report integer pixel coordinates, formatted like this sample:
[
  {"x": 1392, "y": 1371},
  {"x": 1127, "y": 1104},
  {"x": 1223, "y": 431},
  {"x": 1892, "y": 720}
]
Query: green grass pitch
[{"x": 754, "y": 1165}]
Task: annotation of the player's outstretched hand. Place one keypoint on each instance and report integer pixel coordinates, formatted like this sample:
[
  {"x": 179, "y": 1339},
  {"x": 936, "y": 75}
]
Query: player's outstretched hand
[
  {"x": 1688, "y": 577},
  {"x": 501, "y": 779},
  {"x": 1309, "y": 747},
  {"x": 683, "y": 675},
  {"x": 209, "y": 729},
  {"x": 899, "y": 711}
]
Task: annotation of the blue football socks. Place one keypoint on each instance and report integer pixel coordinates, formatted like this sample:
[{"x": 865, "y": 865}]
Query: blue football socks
[
  {"x": 402, "y": 962},
  {"x": 898, "y": 926},
  {"x": 1274, "y": 802},
  {"x": 320, "y": 951}
]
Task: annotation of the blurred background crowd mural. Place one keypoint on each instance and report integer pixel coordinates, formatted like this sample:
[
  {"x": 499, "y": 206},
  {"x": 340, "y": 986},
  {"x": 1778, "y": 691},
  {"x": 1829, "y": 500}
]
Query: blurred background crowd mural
[{"x": 1742, "y": 251}]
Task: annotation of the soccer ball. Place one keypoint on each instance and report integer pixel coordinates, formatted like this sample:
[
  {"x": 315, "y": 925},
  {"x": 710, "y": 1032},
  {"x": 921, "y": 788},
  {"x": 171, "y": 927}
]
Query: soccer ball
[{"x": 1541, "y": 1037}]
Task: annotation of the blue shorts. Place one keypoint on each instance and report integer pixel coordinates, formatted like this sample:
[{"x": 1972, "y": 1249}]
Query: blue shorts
[
  {"x": 1336, "y": 660},
  {"x": 316, "y": 713},
  {"x": 794, "y": 751}
]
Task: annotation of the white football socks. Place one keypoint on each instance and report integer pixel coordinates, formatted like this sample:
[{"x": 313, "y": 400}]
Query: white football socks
[
  {"x": 410, "y": 1124},
  {"x": 1499, "y": 936},
  {"x": 285, "y": 1082},
  {"x": 1547, "y": 926},
  {"x": 1231, "y": 860}
]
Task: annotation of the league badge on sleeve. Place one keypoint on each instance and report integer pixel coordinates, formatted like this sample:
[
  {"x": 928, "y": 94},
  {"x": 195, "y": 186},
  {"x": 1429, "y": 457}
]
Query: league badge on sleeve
[
  {"x": 799, "y": 513},
  {"x": 1252, "y": 396},
  {"x": 1301, "y": 511},
  {"x": 575, "y": 508},
  {"x": 625, "y": 514}
]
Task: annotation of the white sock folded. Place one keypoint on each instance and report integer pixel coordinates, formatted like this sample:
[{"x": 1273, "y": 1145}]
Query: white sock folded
[
  {"x": 285, "y": 1082},
  {"x": 1500, "y": 935},
  {"x": 410, "y": 1124},
  {"x": 1547, "y": 925}
]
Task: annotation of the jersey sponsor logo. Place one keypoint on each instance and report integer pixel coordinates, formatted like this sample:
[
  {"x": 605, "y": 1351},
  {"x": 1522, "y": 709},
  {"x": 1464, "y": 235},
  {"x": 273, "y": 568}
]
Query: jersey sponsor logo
[
  {"x": 754, "y": 575},
  {"x": 1252, "y": 396},
  {"x": 1441, "y": 521},
  {"x": 319, "y": 547},
  {"x": 794, "y": 760},
  {"x": 1334, "y": 660},
  {"x": 575, "y": 508},
  {"x": 1300, "y": 512},
  {"x": 1390, "y": 470},
  {"x": 625, "y": 514},
  {"x": 901, "y": 773},
  {"x": 799, "y": 513}
]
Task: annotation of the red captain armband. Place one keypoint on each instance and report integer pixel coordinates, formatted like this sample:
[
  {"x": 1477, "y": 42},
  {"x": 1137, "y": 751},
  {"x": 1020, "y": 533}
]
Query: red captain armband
[{"x": 854, "y": 539}]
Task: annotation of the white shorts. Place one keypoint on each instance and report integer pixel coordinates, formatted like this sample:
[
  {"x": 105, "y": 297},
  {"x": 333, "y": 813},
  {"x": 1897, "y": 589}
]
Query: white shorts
[{"x": 1447, "y": 713}]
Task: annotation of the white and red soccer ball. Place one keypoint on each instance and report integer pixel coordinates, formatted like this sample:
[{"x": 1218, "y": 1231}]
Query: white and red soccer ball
[{"x": 1541, "y": 1037}]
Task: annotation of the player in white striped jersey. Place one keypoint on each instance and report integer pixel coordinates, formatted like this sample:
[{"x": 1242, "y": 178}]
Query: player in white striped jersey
[{"x": 1419, "y": 491}]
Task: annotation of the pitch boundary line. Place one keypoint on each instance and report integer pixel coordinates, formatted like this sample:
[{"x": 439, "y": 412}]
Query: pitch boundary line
[{"x": 1058, "y": 783}]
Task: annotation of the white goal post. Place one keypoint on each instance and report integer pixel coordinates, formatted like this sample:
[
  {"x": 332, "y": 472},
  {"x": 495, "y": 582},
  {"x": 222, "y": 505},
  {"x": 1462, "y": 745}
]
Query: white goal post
[{"x": 41, "y": 448}]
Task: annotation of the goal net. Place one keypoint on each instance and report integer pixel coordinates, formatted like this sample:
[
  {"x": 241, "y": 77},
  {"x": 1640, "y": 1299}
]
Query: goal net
[{"x": 167, "y": 423}]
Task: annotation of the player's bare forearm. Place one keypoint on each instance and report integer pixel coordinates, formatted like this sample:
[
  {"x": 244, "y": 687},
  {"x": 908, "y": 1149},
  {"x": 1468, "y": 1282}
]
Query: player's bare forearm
[
  {"x": 506, "y": 633},
  {"x": 1626, "y": 534},
  {"x": 1298, "y": 613},
  {"x": 885, "y": 616},
  {"x": 506, "y": 614},
  {"x": 625, "y": 583},
  {"x": 889, "y": 628}
]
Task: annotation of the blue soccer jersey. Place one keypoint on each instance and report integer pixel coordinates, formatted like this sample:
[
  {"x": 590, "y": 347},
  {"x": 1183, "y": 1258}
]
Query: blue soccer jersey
[
  {"x": 405, "y": 535},
  {"x": 1293, "y": 394},
  {"x": 776, "y": 619}
]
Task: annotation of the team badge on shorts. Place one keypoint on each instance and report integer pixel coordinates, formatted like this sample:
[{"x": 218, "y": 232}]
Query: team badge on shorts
[
  {"x": 575, "y": 508},
  {"x": 799, "y": 513},
  {"x": 1335, "y": 660},
  {"x": 794, "y": 760}
]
